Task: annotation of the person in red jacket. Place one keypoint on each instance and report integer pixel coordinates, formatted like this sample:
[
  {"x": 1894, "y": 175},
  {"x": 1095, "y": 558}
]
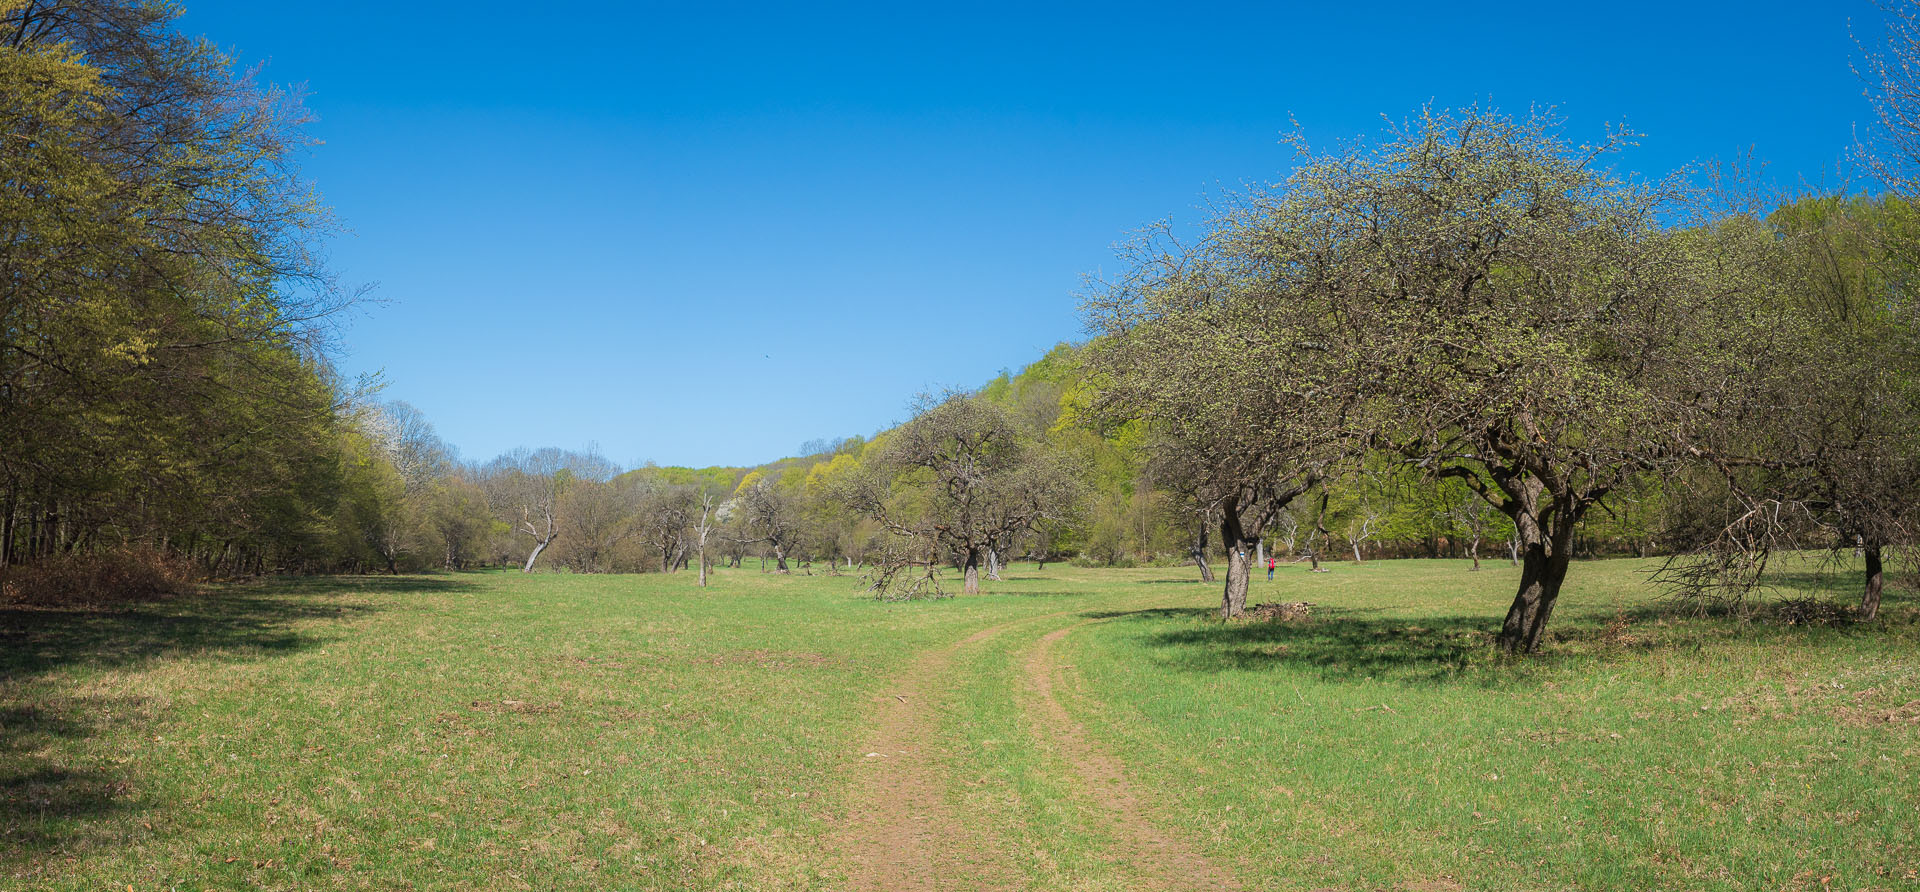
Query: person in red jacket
[{"x": 1271, "y": 563}]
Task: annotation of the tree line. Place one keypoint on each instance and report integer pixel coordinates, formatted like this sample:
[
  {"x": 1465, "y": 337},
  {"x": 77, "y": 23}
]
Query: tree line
[
  {"x": 1475, "y": 298},
  {"x": 1468, "y": 335}
]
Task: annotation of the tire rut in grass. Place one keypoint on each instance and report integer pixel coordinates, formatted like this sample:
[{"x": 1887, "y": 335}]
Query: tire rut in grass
[
  {"x": 1169, "y": 861},
  {"x": 901, "y": 834}
]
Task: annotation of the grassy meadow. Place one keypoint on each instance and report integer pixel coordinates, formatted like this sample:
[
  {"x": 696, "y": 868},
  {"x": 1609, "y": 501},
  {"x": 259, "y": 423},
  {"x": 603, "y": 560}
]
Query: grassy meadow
[{"x": 496, "y": 730}]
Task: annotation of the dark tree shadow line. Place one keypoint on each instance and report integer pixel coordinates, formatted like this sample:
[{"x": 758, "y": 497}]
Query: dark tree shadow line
[
  {"x": 49, "y": 806},
  {"x": 1385, "y": 644}
]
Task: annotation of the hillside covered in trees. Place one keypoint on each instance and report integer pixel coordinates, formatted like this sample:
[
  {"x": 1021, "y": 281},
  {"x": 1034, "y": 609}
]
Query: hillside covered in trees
[{"x": 1467, "y": 337}]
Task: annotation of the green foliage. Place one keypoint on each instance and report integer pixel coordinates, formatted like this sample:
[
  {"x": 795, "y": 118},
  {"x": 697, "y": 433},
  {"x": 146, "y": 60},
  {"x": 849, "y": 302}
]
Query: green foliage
[{"x": 162, "y": 299}]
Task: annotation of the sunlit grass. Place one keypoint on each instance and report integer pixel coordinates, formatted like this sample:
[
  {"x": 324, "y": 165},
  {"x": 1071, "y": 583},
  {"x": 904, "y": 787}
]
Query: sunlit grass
[
  {"x": 1383, "y": 744},
  {"x": 551, "y": 731}
]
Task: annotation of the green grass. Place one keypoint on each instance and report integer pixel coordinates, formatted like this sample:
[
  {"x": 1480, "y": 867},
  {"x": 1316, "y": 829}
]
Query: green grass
[
  {"x": 1385, "y": 744},
  {"x": 634, "y": 732}
]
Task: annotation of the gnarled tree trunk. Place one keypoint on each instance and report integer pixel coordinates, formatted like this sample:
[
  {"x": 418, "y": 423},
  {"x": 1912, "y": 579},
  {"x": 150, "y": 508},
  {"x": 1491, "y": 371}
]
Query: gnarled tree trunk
[
  {"x": 1239, "y": 568},
  {"x": 971, "y": 570},
  {"x": 1870, "y": 600},
  {"x": 1543, "y": 567},
  {"x": 1233, "y": 599},
  {"x": 1200, "y": 549}
]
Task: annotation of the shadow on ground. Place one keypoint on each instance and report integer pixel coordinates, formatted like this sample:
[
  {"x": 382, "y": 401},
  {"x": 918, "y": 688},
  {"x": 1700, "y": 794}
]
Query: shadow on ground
[
  {"x": 1344, "y": 642},
  {"x": 1387, "y": 645},
  {"x": 52, "y": 801},
  {"x": 252, "y": 618}
]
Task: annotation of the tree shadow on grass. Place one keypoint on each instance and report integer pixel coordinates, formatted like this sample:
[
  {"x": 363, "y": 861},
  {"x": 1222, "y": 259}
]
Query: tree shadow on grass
[
  {"x": 1362, "y": 643},
  {"x": 1334, "y": 642},
  {"x": 49, "y": 809},
  {"x": 252, "y": 618},
  {"x": 52, "y": 801},
  {"x": 385, "y": 585}
]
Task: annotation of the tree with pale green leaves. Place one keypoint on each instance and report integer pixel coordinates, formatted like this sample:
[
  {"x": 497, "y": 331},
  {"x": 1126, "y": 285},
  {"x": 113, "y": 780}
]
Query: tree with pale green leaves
[{"x": 1473, "y": 294}]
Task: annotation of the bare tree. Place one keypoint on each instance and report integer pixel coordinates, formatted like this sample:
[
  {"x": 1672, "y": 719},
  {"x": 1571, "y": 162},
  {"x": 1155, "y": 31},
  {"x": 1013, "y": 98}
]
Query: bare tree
[
  {"x": 703, "y": 529},
  {"x": 409, "y": 441},
  {"x": 599, "y": 516},
  {"x": 1472, "y": 517},
  {"x": 667, "y": 514},
  {"x": 1167, "y": 468},
  {"x": 767, "y": 515},
  {"x": 1288, "y": 523},
  {"x": 524, "y": 488},
  {"x": 961, "y": 475}
]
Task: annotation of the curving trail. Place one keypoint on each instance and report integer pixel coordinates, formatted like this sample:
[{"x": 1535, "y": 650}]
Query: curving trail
[
  {"x": 1156, "y": 853},
  {"x": 902, "y": 834}
]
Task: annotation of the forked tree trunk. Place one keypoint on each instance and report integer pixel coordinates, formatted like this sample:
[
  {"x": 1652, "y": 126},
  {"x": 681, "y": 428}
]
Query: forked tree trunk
[
  {"x": 972, "y": 572},
  {"x": 993, "y": 565},
  {"x": 1199, "y": 552},
  {"x": 539, "y": 545},
  {"x": 1473, "y": 551},
  {"x": 780, "y": 558},
  {"x": 1541, "y": 574},
  {"x": 1870, "y": 600}
]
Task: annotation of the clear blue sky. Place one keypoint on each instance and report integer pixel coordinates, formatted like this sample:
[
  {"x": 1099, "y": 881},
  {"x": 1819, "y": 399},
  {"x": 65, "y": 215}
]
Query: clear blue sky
[{"x": 704, "y": 233}]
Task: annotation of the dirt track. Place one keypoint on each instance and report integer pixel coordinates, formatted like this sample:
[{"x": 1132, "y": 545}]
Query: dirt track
[{"x": 901, "y": 832}]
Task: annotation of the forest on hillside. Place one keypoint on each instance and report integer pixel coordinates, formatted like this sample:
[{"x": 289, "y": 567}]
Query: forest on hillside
[{"x": 1468, "y": 335}]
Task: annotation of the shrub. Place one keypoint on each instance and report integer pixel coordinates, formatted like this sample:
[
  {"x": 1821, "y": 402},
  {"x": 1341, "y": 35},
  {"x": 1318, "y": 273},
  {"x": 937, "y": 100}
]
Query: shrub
[{"x": 103, "y": 577}]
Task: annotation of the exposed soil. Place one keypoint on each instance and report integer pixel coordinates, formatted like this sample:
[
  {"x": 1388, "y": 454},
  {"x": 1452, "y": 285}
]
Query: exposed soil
[
  {"x": 900, "y": 834},
  {"x": 1153, "y": 852}
]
